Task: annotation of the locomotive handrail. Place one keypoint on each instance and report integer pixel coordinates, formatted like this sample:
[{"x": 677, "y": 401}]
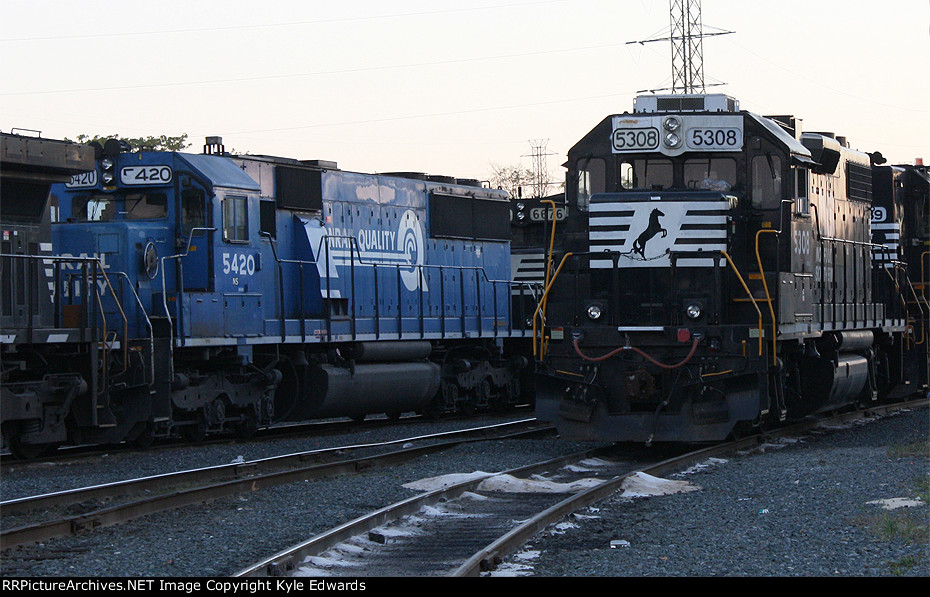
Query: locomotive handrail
[
  {"x": 148, "y": 322},
  {"x": 84, "y": 261},
  {"x": 418, "y": 265},
  {"x": 106, "y": 352},
  {"x": 122, "y": 313},
  {"x": 768, "y": 297},
  {"x": 116, "y": 301},
  {"x": 920, "y": 306},
  {"x": 549, "y": 255},
  {"x": 180, "y": 284},
  {"x": 103, "y": 344},
  {"x": 752, "y": 298},
  {"x": 541, "y": 307},
  {"x": 923, "y": 293},
  {"x": 542, "y": 302},
  {"x": 874, "y": 247},
  {"x": 897, "y": 265},
  {"x": 356, "y": 257},
  {"x": 56, "y": 260}
]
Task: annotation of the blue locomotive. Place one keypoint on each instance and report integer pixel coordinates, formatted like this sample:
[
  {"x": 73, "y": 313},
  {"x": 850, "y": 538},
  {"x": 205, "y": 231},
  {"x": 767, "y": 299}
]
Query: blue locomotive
[
  {"x": 228, "y": 292},
  {"x": 717, "y": 272}
]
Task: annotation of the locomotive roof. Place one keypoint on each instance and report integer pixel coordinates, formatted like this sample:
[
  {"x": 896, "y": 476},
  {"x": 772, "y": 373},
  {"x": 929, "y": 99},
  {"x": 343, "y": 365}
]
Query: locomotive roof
[
  {"x": 221, "y": 171},
  {"x": 793, "y": 145},
  {"x": 597, "y": 135}
]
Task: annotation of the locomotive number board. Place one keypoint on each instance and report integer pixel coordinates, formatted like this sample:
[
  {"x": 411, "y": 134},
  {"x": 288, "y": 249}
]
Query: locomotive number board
[
  {"x": 673, "y": 134},
  {"x": 140, "y": 175}
]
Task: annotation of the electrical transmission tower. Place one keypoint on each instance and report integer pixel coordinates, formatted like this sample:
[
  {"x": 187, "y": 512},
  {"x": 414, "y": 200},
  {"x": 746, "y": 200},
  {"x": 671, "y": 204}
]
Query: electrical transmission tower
[
  {"x": 687, "y": 46},
  {"x": 541, "y": 180},
  {"x": 686, "y": 35}
]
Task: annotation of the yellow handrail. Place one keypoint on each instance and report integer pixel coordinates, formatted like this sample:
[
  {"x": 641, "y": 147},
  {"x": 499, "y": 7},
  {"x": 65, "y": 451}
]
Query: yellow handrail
[
  {"x": 544, "y": 298},
  {"x": 752, "y": 298},
  {"x": 541, "y": 307},
  {"x": 768, "y": 297}
]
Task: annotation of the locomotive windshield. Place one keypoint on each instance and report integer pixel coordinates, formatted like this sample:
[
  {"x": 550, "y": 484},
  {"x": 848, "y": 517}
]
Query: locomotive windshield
[
  {"x": 706, "y": 173},
  {"x": 101, "y": 207}
]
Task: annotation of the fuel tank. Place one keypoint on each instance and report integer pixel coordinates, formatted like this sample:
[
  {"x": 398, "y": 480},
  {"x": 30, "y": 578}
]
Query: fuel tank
[{"x": 369, "y": 388}]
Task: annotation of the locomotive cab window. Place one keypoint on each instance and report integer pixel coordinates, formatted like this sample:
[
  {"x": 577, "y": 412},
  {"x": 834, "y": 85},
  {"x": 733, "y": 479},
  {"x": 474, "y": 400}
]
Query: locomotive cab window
[
  {"x": 654, "y": 175},
  {"x": 802, "y": 203},
  {"x": 145, "y": 206},
  {"x": 106, "y": 208},
  {"x": 93, "y": 208},
  {"x": 710, "y": 174},
  {"x": 192, "y": 210},
  {"x": 235, "y": 219},
  {"x": 766, "y": 181},
  {"x": 591, "y": 180}
]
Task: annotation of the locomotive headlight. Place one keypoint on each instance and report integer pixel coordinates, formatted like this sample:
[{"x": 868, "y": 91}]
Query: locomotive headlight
[
  {"x": 672, "y": 140},
  {"x": 671, "y": 124},
  {"x": 694, "y": 310},
  {"x": 594, "y": 312},
  {"x": 519, "y": 212},
  {"x": 106, "y": 164}
]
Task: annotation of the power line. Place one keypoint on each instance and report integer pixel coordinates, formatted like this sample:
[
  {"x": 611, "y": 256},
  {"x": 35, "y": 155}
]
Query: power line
[
  {"x": 311, "y": 74},
  {"x": 273, "y": 25}
]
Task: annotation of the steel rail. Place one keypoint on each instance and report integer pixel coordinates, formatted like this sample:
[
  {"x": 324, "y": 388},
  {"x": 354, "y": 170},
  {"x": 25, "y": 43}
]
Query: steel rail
[
  {"x": 287, "y": 561},
  {"x": 492, "y": 555},
  {"x": 250, "y": 476}
]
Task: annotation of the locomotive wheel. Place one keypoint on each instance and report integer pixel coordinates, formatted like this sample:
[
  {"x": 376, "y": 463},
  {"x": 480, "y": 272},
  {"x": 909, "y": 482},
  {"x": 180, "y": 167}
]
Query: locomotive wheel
[
  {"x": 433, "y": 409},
  {"x": 469, "y": 406},
  {"x": 30, "y": 451},
  {"x": 484, "y": 392},
  {"x": 248, "y": 425},
  {"x": 195, "y": 432},
  {"x": 146, "y": 437},
  {"x": 741, "y": 430},
  {"x": 22, "y": 450}
]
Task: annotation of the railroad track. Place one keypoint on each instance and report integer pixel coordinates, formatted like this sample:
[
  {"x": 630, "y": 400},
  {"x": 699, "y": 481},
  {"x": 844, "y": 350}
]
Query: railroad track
[
  {"x": 48, "y": 516},
  {"x": 472, "y": 528},
  {"x": 67, "y": 454}
]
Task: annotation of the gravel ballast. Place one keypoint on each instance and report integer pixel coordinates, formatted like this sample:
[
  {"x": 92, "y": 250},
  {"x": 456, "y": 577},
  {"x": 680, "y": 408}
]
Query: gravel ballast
[
  {"x": 793, "y": 509},
  {"x": 801, "y": 509}
]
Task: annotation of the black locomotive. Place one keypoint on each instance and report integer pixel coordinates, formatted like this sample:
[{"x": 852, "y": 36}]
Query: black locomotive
[
  {"x": 47, "y": 350},
  {"x": 717, "y": 271}
]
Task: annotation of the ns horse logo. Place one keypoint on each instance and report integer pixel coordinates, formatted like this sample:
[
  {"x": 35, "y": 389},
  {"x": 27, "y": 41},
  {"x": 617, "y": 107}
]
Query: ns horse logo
[{"x": 654, "y": 227}]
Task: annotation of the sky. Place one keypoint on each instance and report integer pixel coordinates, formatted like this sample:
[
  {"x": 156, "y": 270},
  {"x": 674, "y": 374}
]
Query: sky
[{"x": 443, "y": 87}]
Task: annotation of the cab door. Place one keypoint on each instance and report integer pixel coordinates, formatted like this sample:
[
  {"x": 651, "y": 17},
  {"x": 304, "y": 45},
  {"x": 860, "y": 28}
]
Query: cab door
[{"x": 194, "y": 241}]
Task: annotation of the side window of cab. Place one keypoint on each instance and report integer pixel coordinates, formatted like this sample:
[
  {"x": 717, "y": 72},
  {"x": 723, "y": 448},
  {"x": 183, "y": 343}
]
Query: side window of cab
[{"x": 235, "y": 219}]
